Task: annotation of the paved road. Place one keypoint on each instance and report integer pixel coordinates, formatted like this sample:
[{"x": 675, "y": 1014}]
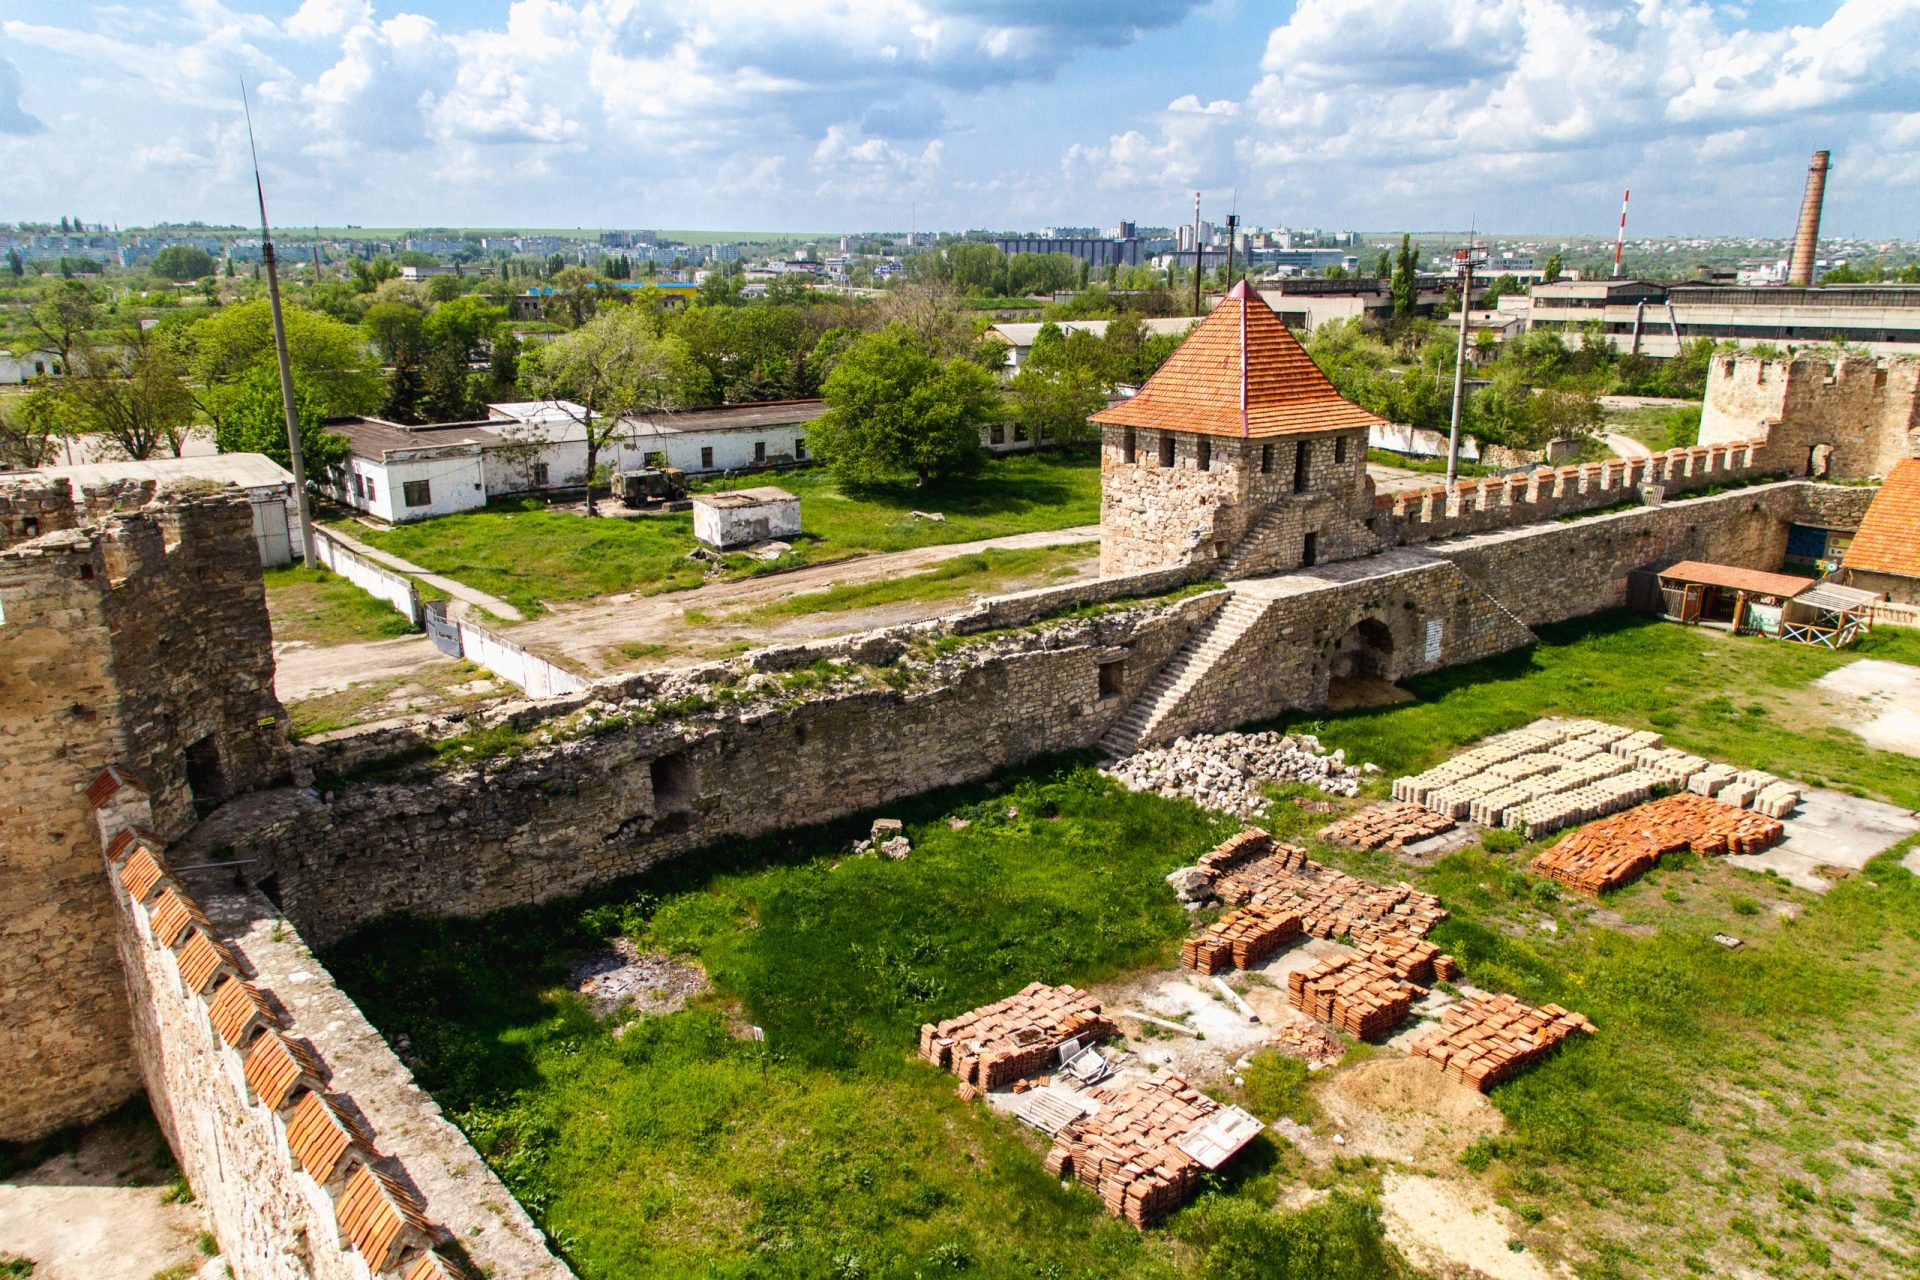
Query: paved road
[{"x": 458, "y": 590}]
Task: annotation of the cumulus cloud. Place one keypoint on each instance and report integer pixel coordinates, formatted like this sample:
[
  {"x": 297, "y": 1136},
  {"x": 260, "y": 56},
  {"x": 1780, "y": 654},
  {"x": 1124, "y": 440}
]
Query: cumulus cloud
[
  {"x": 1195, "y": 148},
  {"x": 327, "y": 19},
  {"x": 13, "y": 117}
]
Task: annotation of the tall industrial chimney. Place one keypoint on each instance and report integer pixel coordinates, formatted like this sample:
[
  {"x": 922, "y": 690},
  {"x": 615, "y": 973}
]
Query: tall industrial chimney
[{"x": 1806, "y": 241}]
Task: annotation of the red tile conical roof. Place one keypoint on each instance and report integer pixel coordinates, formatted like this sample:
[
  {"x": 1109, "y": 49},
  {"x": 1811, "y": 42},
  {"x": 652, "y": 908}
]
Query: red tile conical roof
[{"x": 1240, "y": 372}]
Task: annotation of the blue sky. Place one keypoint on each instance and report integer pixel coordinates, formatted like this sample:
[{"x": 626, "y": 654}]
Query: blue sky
[{"x": 1522, "y": 115}]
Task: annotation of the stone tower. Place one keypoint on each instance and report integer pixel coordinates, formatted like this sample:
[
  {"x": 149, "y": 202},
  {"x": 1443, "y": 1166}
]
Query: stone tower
[{"x": 1238, "y": 456}]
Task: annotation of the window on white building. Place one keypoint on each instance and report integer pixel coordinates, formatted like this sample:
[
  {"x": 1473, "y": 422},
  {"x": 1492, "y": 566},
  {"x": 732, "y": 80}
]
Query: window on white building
[{"x": 417, "y": 493}]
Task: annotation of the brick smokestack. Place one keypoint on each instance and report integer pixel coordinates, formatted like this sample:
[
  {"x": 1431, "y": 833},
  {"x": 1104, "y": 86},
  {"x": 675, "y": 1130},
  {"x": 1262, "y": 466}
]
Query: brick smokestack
[{"x": 1806, "y": 240}]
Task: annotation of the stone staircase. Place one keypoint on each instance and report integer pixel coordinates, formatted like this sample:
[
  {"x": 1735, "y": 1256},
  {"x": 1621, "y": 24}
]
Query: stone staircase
[
  {"x": 1254, "y": 538},
  {"x": 1182, "y": 672}
]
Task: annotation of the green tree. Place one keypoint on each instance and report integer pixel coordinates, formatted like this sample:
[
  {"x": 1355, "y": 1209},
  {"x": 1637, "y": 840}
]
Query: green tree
[
  {"x": 182, "y": 262},
  {"x": 30, "y": 428},
  {"x": 574, "y": 297},
  {"x": 255, "y": 422},
  {"x": 329, "y": 358},
  {"x": 1383, "y": 266},
  {"x": 1054, "y": 404},
  {"x": 503, "y": 368},
  {"x": 1554, "y": 265},
  {"x": 62, "y": 314},
  {"x": 1406, "y": 294},
  {"x": 1499, "y": 287},
  {"x": 893, "y": 409},
  {"x": 15, "y": 265},
  {"x": 611, "y": 366},
  {"x": 132, "y": 393}
]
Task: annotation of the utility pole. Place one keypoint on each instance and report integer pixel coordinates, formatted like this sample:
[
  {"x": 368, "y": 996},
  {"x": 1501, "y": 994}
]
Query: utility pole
[
  {"x": 1199, "y": 254},
  {"x": 280, "y": 350},
  {"x": 1463, "y": 263},
  {"x": 1233, "y": 224}
]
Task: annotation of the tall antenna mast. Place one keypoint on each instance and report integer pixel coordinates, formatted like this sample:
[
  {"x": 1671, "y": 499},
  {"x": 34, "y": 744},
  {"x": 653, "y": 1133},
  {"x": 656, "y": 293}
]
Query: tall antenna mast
[
  {"x": 1620, "y": 240},
  {"x": 280, "y": 348}
]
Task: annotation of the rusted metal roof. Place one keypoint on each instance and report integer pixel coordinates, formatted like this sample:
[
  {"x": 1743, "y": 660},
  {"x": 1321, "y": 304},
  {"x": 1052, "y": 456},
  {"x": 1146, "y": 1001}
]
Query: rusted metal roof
[
  {"x": 204, "y": 961},
  {"x": 1240, "y": 373},
  {"x": 322, "y": 1137},
  {"x": 173, "y": 914},
  {"x": 277, "y": 1066},
  {"x": 1889, "y": 537},
  {"x": 108, "y": 782},
  {"x": 239, "y": 1012},
  {"x": 142, "y": 874},
  {"x": 380, "y": 1217},
  {"x": 1734, "y": 578}
]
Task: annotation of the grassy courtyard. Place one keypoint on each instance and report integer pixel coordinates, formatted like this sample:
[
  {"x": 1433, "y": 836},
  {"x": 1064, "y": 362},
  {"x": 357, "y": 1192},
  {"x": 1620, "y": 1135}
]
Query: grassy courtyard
[
  {"x": 1743, "y": 1111},
  {"x": 527, "y": 554}
]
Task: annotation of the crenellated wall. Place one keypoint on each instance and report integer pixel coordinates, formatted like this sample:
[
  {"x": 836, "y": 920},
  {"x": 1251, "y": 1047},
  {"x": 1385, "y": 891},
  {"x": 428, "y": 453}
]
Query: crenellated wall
[
  {"x": 305, "y": 1138},
  {"x": 1848, "y": 419}
]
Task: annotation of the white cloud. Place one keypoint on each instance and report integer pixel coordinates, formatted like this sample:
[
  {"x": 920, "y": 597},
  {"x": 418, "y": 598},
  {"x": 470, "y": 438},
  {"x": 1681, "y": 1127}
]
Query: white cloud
[
  {"x": 327, "y": 19},
  {"x": 13, "y": 117}
]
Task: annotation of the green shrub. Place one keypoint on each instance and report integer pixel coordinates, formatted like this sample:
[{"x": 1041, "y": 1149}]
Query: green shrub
[
  {"x": 1276, "y": 1086},
  {"x": 1339, "y": 1238}
]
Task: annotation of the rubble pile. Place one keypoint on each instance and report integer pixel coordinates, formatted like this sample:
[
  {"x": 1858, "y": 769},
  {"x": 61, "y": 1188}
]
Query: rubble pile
[
  {"x": 1618, "y": 850},
  {"x": 1412, "y": 959},
  {"x": 1391, "y": 824},
  {"x": 1356, "y": 994},
  {"x": 1127, "y": 1152},
  {"x": 1223, "y": 771},
  {"x": 1308, "y": 1040},
  {"x": 1240, "y": 939},
  {"x": 1482, "y": 1042},
  {"x": 1554, "y": 774},
  {"x": 1330, "y": 903},
  {"x": 1010, "y": 1039}
]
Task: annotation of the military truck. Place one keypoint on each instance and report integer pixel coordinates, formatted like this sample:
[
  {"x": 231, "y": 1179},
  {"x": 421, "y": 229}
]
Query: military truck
[{"x": 649, "y": 487}]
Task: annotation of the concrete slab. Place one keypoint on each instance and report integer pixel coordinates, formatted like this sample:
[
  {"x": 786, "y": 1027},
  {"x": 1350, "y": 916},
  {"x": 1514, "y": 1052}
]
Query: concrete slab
[
  {"x": 1830, "y": 828},
  {"x": 1888, "y": 696}
]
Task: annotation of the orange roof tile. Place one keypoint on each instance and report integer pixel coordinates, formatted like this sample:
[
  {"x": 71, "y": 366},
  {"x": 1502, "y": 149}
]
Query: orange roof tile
[
  {"x": 1240, "y": 372},
  {"x": 108, "y": 782},
  {"x": 126, "y": 837},
  {"x": 432, "y": 1266},
  {"x": 173, "y": 914},
  {"x": 142, "y": 874},
  {"x": 1736, "y": 578},
  {"x": 320, "y": 1135},
  {"x": 276, "y": 1066},
  {"x": 1889, "y": 538},
  {"x": 379, "y": 1216},
  {"x": 238, "y": 1011},
  {"x": 203, "y": 961}
]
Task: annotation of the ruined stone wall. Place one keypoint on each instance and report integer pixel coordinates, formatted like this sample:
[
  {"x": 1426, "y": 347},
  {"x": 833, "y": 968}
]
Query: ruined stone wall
[
  {"x": 127, "y": 640},
  {"x": 623, "y": 795},
  {"x": 283, "y": 1105},
  {"x": 33, "y": 506},
  {"x": 1866, "y": 411}
]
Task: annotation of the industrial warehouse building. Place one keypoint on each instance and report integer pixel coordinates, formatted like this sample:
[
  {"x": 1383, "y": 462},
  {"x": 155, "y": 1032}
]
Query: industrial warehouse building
[{"x": 1653, "y": 319}]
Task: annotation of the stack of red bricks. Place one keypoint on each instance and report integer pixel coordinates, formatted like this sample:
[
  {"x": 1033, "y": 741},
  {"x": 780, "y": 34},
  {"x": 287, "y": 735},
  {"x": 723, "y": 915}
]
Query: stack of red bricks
[
  {"x": 1125, "y": 1151},
  {"x": 1010, "y": 1039},
  {"x": 1237, "y": 849},
  {"x": 1330, "y": 903},
  {"x": 1618, "y": 850},
  {"x": 1482, "y": 1042},
  {"x": 1392, "y": 824},
  {"x": 1240, "y": 939},
  {"x": 1412, "y": 959},
  {"x": 1308, "y": 1040},
  {"x": 1360, "y": 996}
]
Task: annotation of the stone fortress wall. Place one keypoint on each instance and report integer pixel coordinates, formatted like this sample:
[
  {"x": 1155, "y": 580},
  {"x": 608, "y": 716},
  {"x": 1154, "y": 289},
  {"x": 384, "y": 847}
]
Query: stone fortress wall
[{"x": 1851, "y": 417}]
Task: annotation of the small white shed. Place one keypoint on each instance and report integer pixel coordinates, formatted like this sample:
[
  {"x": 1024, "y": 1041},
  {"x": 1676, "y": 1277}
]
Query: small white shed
[{"x": 744, "y": 516}]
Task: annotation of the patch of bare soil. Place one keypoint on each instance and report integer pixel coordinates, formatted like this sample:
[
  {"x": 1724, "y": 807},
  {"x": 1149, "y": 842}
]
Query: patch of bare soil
[
  {"x": 1351, "y": 693},
  {"x": 626, "y": 977},
  {"x": 1404, "y": 1109},
  {"x": 1454, "y": 1231}
]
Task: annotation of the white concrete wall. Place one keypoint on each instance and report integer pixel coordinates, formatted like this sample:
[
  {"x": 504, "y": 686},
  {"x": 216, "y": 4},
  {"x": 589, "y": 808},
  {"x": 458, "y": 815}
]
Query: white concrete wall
[
  {"x": 540, "y": 678},
  {"x": 455, "y": 484}
]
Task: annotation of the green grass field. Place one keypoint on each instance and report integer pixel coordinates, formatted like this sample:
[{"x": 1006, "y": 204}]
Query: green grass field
[
  {"x": 320, "y": 608},
  {"x": 1659, "y": 426},
  {"x": 1739, "y": 1112},
  {"x": 982, "y": 572},
  {"x": 528, "y": 555}
]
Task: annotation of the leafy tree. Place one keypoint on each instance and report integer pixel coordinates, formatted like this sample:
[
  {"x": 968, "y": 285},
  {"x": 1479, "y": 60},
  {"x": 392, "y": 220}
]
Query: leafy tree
[
  {"x": 443, "y": 288},
  {"x": 15, "y": 265},
  {"x": 182, "y": 262},
  {"x": 827, "y": 352},
  {"x": 503, "y": 368},
  {"x": 1499, "y": 287},
  {"x": 611, "y": 366},
  {"x": 1553, "y": 266},
  {"x": 399, "y": 333},
  {"x": 574, "y": 296},
  {"x": 329, "y": 358},
  {"x": 1054, "y": 404},
  {"x": 894, "y": 409},
  {"x": 255, "y": 422},
  {"x": 131, "y": 393},
  {"x": 1334, "y": 271},
  {"x": 1405, "y": 284},
  {"x": 1383, "y": 266},
  {"x": 30, "y": 428},
  {"x": 62, "y": 314}
]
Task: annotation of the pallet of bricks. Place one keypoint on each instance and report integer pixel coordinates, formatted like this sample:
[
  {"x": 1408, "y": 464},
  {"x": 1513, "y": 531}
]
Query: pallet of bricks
[
  {"x": 1392, "y": 824},
  {"x": 1411, "y": 959},
  {"x": 1125, "y": 1152},
  {"x": 1330, "y": 903},
  {"x": 1614, "y": 851},
  {"x": 1011, "y": 1039},
  {"x": 1355, "y": 993},
  {"x": 1240, "y": 939},
  {"x": 1485, "y": 1041}
]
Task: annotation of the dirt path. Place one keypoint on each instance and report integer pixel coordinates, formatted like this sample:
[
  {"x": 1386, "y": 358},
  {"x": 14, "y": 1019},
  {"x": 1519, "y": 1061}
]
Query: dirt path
[
  {"x": 1625, "y": 445},
  {"x": 587, "y": 636},
  {"x": 302, "y": 670}
]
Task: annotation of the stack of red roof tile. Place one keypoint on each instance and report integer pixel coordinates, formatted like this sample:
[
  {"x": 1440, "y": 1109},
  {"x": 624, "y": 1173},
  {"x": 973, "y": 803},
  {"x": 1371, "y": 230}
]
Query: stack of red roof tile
[
  {"x": 1330, "y": 903},
  {"x": 1620, "y": 849},
  {"x": 999, "y": 1043},
  {"x": 1391, "y": 823},
  {"x": 1242, "y": 846},
  {"x": 1359, "y": 996},
  {"x": 1125, "y": 1151},
  {"x": 1482, "y": 1042},
  {"x": 1414, "y": 959},
  {"x": 1240, "y": 939}
]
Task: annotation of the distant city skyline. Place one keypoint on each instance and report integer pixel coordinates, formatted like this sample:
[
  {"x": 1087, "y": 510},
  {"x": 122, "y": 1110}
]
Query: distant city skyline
[{"x": 948, "y": 114}]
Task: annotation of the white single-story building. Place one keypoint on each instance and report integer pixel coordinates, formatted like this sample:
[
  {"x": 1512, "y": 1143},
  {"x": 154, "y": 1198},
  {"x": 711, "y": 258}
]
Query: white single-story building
[
  {"x": 268, "y": 486},
  {"x": 744, "y": 516},
  {"x": 398, "y": 473},
  {"x": 1019, "y": 335},
  {"x": 730, "y": 437}
]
